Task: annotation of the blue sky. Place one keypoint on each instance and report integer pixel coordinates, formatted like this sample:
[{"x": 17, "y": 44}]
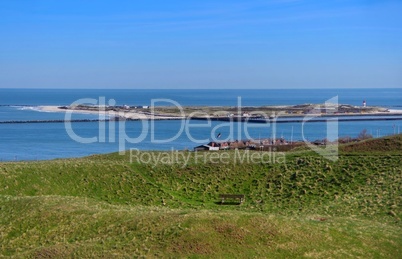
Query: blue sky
[{"x": 200, "y": 44}]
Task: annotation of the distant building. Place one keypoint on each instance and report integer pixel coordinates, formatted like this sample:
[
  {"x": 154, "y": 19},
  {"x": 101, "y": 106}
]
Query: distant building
[{"x": 212, "y": 146}]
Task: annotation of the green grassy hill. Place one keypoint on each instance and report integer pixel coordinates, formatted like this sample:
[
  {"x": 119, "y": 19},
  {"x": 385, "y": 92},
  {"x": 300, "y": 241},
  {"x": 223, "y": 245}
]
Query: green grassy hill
[
  {"x": 296, "y": 205},
  {"x": 384, "y": 144}
]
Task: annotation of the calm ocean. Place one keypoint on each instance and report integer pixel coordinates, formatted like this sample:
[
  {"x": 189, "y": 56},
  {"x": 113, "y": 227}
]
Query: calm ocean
[{"x": 38, "y": 141}]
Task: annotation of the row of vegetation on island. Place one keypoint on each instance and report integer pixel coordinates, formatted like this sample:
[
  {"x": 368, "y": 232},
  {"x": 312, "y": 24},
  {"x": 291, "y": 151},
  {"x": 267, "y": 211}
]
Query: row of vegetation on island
[{"x": 227, "y": 111}]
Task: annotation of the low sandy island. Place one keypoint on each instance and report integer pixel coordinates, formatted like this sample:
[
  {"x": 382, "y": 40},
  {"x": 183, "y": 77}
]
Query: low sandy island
[{"x": 169, "y": 113}]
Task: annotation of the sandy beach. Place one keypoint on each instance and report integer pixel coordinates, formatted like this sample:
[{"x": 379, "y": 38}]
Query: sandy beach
[{"x": 112, "y": 114}]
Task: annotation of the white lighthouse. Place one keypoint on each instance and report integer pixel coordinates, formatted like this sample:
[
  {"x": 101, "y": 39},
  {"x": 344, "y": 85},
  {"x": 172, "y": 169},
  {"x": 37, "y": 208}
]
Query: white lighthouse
[{"x": 364, "y": 103}]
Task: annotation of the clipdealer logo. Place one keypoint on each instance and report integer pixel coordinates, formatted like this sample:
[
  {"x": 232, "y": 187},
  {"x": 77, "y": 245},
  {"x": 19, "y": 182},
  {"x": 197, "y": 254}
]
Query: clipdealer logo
[{"x": 115, "y": 131}]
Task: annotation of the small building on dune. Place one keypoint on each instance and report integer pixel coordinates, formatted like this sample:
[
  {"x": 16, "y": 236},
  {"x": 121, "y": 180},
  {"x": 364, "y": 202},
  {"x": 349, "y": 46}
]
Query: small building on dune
[{"x": 212, "y": 146}]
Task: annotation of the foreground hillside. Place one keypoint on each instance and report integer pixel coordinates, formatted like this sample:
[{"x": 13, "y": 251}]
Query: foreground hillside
[
  {"x": 390, "y": 144},
  {"x": 296, "y": 205}
]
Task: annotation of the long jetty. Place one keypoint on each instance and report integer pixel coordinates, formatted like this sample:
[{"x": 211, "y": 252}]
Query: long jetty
[
  {"x": 299, "y": 120},
  {"x": 50, "y": 121},
  {"x": 82, "y": 120},
  {"x": 382, "y": 117}
]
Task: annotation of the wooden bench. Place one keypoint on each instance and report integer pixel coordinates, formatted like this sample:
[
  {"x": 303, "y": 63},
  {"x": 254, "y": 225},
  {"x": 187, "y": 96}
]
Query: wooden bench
[{"x": 239, "y": 197}]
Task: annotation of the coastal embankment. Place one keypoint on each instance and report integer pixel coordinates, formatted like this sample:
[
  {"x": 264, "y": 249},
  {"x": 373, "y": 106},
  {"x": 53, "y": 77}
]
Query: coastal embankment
[{"x": 279, "y": 115}]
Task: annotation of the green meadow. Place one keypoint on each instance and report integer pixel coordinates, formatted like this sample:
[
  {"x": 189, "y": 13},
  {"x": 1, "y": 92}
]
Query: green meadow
[{"x": 297, "y": 204}]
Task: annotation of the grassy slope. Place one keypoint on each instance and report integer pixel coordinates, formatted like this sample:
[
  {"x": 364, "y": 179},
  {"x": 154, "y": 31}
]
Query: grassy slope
[
  {"x": 107, "y": 206},
  {"x": 384, "y": 144}
]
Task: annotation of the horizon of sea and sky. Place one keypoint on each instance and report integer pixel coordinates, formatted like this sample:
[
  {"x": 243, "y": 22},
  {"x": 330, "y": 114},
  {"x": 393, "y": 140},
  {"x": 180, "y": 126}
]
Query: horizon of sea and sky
[{"x": 43, "y": 141}]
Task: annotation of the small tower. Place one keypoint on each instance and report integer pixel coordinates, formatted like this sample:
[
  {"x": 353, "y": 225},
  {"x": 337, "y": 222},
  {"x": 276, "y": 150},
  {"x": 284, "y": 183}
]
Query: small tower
[{"x": 364, "y": 103}]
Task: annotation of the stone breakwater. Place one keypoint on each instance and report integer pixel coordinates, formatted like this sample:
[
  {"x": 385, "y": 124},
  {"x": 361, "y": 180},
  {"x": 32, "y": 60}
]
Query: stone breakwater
[
  {"x": 80, "y": 120},
  {"x": 379, "y": 117},
  {"x": 50, "y": 121},
  {"x": 164, "y": 113}
]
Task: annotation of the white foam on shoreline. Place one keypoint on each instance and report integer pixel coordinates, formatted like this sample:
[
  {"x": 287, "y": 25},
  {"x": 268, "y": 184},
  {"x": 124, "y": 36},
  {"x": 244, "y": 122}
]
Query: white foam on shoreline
[
  {"x": 29, "y": 108},
  {"x": 24, "y": 108}
]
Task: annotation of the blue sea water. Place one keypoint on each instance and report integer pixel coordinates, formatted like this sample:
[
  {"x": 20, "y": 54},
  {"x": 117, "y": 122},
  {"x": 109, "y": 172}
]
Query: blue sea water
[
  {"x": 390, "y": 97},
  {"x": 38, "y": 141}
]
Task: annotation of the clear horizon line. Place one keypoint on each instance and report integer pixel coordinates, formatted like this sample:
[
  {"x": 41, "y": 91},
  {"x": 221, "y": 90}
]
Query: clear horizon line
[{"x": 183, "y": 88}]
